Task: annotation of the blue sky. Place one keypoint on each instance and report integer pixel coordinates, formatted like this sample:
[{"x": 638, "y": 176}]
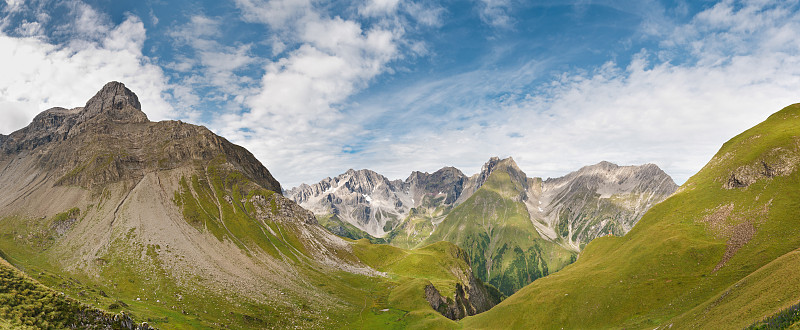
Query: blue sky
[{"x": 314, "y": 88}]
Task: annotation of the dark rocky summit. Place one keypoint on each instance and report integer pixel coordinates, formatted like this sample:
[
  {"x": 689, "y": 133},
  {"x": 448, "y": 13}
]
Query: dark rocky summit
[{"x": 110, "y": 139}]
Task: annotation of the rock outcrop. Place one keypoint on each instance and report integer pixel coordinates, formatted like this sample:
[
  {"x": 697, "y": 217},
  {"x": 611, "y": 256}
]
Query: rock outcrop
[
  {"x": 95, "y": 319},
  {"x": 469, "y": 298}
]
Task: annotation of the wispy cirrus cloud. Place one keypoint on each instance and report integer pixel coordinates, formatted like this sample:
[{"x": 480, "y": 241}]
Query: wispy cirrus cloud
[
  {"x": 496, "y": 13},
  {"x": 729, "y": 77},
  {"x": 324, "y": 60},
  {"x": 223, "y": 70}
]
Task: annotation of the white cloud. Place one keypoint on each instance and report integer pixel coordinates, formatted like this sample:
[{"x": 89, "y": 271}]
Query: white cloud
[
  {"x": 153, "y": 17},
  {"x": 30, "y": 29},
  {"x": 496, "y": 13},
  {"x": 373, "y": 8},
  {"x": 276, "y": 13},
  {"x": 212, "y": 63},
  {"x": 425, "y": 14},
  {"x": 295, "y": 119},
  {"x": 675, "y": 115},
  {"x": 14, "y": 5},
  {"x": 38, "y": 75}
]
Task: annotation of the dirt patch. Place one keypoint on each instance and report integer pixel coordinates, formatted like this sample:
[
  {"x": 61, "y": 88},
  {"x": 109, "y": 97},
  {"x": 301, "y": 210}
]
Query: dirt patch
[
  {"x": 716, "y": 222},
  {"x": 738, "y": 227},
  {"x": 741, "y": 234}
]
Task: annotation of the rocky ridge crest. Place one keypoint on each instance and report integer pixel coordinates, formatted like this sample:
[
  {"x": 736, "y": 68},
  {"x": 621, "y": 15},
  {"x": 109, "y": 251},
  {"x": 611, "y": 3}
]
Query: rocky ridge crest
[{"x": 372, "y": 202}]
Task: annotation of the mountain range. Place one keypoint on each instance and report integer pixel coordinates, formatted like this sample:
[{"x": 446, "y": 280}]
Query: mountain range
[
  {"x": 557, "y": 216},
  {"x": 111, "y": 221},
  {"x": 593, "y": 201},
  {"x": 720, "y": 253}
]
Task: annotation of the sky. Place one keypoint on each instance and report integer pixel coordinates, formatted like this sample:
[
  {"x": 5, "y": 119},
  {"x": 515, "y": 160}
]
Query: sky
[{"x": 314, "y": 88}]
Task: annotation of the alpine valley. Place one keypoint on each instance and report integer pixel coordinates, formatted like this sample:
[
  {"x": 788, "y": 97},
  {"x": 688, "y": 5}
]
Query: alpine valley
[
  {"x": 111, "y": 221},
  {"x": 515, "y": 228}
]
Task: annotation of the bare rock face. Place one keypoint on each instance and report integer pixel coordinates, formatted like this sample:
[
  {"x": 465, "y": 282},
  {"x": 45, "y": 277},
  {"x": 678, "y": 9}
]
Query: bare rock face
[
  {"x": 110, "y": 139},
  {"x": 448, "y": 181},
  {"x": 117, "y": 102},
  {"x": 375, "y": 204},
  {"x": 598, "y": 200},
  {"x": 776, "y": 162},
  {"x": 467, "y": 300}
]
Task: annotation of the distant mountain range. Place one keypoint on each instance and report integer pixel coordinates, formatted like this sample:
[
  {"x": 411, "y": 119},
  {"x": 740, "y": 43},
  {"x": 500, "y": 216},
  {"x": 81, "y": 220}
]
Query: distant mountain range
[
  {"x": 593, "y": 201},
  {"x": 570, "y": 211}
]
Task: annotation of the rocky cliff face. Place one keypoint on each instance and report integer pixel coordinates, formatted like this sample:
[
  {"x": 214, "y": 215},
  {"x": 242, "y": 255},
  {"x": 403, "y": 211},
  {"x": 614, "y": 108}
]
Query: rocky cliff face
[
  {"x": 470, "y": 297},
  {"x": 373, "y": 203},
  {"x": 598, "y": 200},
  {"x": 572, "y": 210}
]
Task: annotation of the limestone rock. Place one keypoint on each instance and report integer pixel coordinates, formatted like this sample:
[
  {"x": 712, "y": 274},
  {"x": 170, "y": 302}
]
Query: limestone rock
[{"x": 373, "y": 203}]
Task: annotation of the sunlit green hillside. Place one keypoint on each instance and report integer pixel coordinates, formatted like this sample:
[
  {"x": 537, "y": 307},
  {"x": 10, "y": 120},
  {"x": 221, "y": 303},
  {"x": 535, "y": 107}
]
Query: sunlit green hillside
[
  {"x": 504, "y": 247},
  {"x": 720, "y": 253}
]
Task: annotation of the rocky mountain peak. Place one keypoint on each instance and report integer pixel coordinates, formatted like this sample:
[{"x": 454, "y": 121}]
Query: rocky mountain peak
[
  {"x": 507, "y": 164},
  {"x": 489, "y": 166},
  {"x": 604, "y": 164},
  {"x": 117, "y": 102},
  {"x": 486, "y": 170},
  {"x": 111, "y": 140}
]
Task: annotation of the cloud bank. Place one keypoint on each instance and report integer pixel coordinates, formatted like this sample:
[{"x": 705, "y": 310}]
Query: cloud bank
[{"x": 38, "y": 73}]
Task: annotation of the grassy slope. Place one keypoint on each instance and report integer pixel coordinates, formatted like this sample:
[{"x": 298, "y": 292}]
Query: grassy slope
[
  {"x": 661, "y": 271},
  {"x": 772, "y": 287},
  {"x": 332, "y": 223},
  {"x": 133, "y": 278},
  {"x": 504, "y": 247},
  {"x": 418, "y": 226},
  {"x": 409, "y": 271},
  {"x": 27, "y": 304}
]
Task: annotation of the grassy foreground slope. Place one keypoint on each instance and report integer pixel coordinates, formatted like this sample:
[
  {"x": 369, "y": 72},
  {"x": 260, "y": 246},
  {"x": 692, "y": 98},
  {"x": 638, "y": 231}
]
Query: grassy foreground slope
[
  {"x": 27, "y": 304},
  {"x": 496, "y": 231},
  {"x": 718, "y": 253}
]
